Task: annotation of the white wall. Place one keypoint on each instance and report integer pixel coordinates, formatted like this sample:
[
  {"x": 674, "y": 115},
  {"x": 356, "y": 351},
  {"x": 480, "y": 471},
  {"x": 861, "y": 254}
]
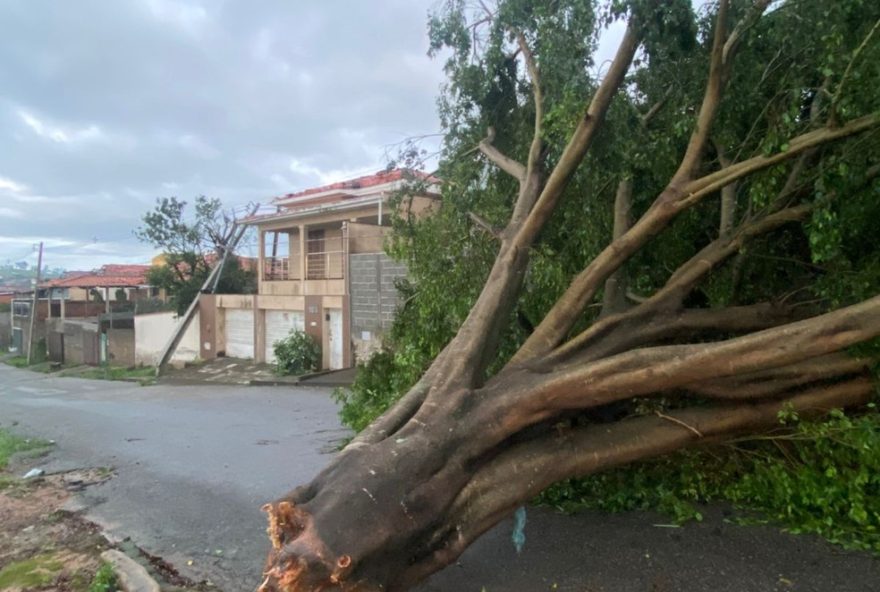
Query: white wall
[{"x": 151, "y": 335}]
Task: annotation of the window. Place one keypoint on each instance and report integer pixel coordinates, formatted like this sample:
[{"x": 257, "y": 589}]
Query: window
[{"x": 20, "y": 308}]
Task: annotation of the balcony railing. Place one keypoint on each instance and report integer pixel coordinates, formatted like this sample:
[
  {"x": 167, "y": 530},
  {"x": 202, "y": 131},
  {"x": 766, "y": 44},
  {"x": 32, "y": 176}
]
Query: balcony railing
[
  {"x": 326, "y": 265},
  {"x": 324, "y": 260},
  {"x": 321, "y": 265},
  {"x": 278, "y": 268}
]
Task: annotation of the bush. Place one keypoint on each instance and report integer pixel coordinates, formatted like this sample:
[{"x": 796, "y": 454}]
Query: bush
[
  {"x": 105, "y": 579},
  {"x": 820, "y": 476},
  {"x": 298, "y": 353},
  {"x": 381, "y": 380}
]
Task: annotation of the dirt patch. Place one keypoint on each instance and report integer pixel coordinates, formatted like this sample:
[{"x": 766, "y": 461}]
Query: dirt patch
[{"x": 45, "y": 548}]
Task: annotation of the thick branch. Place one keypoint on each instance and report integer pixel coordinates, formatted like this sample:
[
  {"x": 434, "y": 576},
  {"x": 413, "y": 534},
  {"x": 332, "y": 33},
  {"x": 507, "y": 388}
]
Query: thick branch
[
  {"x": 616, "y": 285},
  {"x": 648, "y": 328},
  {"x": 521, "y": 472},
  {"x": 712, "y": 182},
  {"x": 728, "y": 196},
  {"x": 776, "y": 381},
  {"x": 582, "y": 137},
  {"x": 484, "y": 224},
  {"x": 652, "y": 370},
  {"x": 686, "y": 277},
  {"x": 534, "y": 75},
  {"x": 390, "y": 421},
  {"x": 503, "y": 162},
  {"x": 718, "y": 74},
  {"x": 732, "y": 43},
  {"x": 553, "y": 329},
  {"x": 467, "y": 355},
  {"x": 835, "y": 100}
]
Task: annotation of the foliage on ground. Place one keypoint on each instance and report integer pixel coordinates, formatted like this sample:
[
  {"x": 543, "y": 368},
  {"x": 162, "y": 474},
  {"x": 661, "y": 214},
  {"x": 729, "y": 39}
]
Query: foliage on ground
[
  {"x": 820, "y": 477},
  {"x": 105, "y": 579},
  {"x": 298, "y": 353},
  {"x": 12, "y": 444}
]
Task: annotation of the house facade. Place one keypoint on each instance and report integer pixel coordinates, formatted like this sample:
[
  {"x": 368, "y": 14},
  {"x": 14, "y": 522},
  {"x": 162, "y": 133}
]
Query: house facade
[
  {"x": 70, "y": 311},
  {"x": 321, "y": 269}
]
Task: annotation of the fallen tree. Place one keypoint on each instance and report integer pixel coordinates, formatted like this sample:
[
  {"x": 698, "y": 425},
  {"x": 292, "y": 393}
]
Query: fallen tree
[{"x": 481, "y": 432}]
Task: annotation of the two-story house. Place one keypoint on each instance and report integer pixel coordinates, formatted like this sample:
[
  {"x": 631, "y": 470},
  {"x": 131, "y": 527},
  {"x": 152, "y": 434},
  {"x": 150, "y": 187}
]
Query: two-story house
[{"x": 321, "y": 269}]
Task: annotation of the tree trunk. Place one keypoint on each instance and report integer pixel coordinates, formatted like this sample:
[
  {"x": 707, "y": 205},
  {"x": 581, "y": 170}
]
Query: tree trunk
[{"x": 462, "y": 449}]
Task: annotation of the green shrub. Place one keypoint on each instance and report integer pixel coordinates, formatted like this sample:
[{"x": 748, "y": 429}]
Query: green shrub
[
  {"x": 821, "y": 477},
  {"x": 298, "y": 353},
  {"x": 104, "y": 580},
  {"x": 380, "y": 381}
]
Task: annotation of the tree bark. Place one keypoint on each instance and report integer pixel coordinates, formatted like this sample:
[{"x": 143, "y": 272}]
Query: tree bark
[{"x": 462, "y": 449}]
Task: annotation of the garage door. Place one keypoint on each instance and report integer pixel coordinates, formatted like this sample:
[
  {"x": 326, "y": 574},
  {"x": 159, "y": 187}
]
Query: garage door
[
  {"x": 279, "y": 323},
  {"x": 239, "y": 333}
]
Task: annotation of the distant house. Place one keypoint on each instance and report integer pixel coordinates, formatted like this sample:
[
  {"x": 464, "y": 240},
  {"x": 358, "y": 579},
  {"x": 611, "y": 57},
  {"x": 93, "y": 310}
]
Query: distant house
[
  {"x": 321, "y": 269},
  {"x": 78, "y": 300},
  {"x": 112, "y": 283}
]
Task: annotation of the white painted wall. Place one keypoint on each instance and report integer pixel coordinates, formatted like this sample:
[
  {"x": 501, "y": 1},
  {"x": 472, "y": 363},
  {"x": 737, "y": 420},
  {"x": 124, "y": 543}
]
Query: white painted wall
[
  {"x": 239, "y": 332},
  {"x": 152, "y": 332}
]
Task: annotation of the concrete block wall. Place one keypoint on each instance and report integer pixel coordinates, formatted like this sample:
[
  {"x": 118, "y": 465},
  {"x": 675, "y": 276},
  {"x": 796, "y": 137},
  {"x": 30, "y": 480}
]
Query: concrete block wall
[
  {"x": 374, "y": 299},
  {"x": 120, "y": 347},
  {"x": 5, "y": 331}
]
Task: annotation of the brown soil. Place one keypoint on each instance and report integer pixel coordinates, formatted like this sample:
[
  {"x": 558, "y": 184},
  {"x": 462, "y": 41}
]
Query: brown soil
[
  {"x": 38, "y": 537},
  {"x": 51, "y": 549}
]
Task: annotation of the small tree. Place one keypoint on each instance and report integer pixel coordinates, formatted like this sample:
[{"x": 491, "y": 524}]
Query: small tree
[
  {"x": 297, "y": 353},
  {"x": 186, "y": 244}
]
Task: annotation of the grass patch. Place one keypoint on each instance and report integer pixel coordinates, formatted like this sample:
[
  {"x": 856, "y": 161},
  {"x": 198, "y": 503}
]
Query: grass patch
[
  {"x": 11, "y": 444},
  {"x": 104, "y": 580},
  {"x": 8, "y": 482},
  {"x": 17, "y": 361},
  {"x": 36, "y": 572},
  {"x": 144, "y": 375}
]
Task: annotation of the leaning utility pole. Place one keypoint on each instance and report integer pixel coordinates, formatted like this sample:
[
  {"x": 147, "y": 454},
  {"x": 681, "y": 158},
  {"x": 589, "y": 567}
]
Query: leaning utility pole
[
  {"x": 34, "y": 305},
  {"x": 230, "y": 242}
]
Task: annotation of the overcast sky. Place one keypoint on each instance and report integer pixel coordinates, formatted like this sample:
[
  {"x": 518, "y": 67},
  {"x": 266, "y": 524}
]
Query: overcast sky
[{"x": 107, "y": 104}]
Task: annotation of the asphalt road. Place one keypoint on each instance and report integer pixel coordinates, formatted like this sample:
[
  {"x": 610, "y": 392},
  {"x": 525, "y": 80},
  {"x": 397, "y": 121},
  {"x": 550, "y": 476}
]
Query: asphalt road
[{"x": 193, "y": 464}]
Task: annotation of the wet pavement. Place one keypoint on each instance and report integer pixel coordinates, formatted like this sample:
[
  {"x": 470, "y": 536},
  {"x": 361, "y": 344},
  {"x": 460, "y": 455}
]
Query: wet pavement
[
  {"x": 242, "y": 372},
  {"x": 193, "y": 464}
]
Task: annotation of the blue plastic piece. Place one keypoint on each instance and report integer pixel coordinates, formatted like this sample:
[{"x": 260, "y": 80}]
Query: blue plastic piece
[{"x": 519, "y": 529}]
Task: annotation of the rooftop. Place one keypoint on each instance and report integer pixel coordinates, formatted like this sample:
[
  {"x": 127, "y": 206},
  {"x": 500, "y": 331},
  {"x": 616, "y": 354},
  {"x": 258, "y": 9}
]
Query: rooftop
[
  {"x": 108, "y": 276},
  {"x": 368, "y": 187}
]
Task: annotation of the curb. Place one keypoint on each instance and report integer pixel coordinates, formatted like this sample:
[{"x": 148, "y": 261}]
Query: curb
[{"x": 132, "y": 576}]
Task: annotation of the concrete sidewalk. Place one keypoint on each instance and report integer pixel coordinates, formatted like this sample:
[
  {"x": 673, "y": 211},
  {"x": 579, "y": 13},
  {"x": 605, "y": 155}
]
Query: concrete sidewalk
[{"x": 237, "y": 371}]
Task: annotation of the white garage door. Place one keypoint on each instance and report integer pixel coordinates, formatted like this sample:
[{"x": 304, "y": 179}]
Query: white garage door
[
  {"x": 239, "y": 333},
  {"x": 279, "y": 323}
]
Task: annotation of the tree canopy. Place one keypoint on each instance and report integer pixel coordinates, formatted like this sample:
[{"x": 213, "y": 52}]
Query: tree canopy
[
  {"x": 665, "y": 250},
  {"x": 190, "y": 245},
  {"x": 787, "y": 75}
]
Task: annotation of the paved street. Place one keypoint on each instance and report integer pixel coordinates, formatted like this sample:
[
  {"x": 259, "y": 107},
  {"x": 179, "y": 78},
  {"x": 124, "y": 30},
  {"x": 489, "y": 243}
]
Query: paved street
[{"x": 194, "y": 463}]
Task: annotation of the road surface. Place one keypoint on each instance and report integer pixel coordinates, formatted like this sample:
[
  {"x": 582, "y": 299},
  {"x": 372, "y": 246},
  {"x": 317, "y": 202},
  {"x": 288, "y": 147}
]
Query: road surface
[{"x": 193, "y": 464}]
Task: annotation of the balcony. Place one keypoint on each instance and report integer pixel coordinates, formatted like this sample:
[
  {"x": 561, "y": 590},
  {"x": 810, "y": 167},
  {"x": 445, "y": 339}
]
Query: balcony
[
  {"x": 278, "y": 269},
  {"x": 321, "y": 270}
]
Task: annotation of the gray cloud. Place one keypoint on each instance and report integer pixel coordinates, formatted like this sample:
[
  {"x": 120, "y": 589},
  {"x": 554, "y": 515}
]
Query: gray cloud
[{"x": 106, "y": 105}]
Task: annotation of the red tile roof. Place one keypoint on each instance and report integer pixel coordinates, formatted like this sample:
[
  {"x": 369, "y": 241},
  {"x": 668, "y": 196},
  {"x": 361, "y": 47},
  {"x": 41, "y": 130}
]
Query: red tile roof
[
  {"x": 379, "y": 178},
  {"x": 108, "y": 276}
]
